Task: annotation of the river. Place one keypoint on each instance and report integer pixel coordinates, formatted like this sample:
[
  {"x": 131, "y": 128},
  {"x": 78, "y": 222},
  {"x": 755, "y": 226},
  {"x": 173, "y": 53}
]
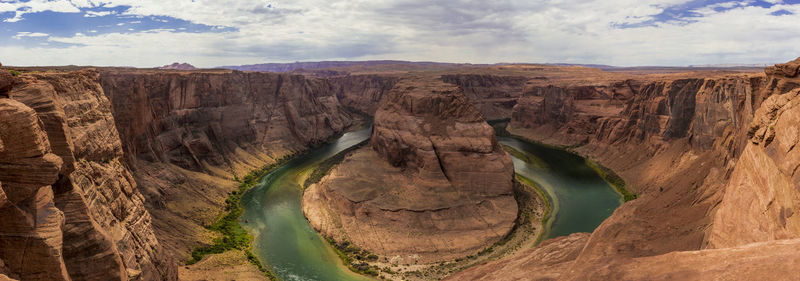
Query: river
[
  {"x": 581, "y": 199},
  {"x": 290, "y": 248},
  {"x": 283, "y": 239}
]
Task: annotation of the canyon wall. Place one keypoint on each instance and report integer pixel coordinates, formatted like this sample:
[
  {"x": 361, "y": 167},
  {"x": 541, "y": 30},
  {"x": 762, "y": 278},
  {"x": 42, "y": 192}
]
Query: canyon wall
[
  {"x": 189, "y": 135},
  {"x": 762, "y": 195},
  {"x": 363, "y": 92},
  {"x": 710, "y": 155},
  {"x": 433, "y": 185},
  {"x": 71, "y": 209},
  {"x": 82, "y": 191},
  {"x": 493, "y": 95}
]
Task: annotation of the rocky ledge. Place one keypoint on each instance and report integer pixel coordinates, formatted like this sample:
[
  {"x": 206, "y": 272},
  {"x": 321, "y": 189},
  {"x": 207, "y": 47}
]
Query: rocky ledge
[{"x": 433, "y": 185}]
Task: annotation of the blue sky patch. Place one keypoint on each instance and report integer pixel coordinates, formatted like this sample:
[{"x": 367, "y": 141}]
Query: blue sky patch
[
  {"x": 781, "y": 12},
  {"x": 688, "y": 12},
  {"x": 35, "y": 28}
]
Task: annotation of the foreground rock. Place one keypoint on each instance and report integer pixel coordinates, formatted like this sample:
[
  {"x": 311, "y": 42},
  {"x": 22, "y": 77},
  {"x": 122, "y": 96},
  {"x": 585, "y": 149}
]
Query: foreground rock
[
  {"x": 433, "y": 185},
  {"x": 71, "y": 210}
]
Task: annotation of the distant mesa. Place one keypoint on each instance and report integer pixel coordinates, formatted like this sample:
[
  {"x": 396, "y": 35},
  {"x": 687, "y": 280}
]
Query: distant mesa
[{"x": 178, "y": 66}]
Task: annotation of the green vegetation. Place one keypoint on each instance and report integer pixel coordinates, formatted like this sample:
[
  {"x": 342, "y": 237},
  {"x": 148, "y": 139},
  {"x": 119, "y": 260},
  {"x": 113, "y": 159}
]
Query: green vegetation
[
  {"x": 355, "y": 258},
  {"x": 14, "y": 72},
  {"x": 233, "y": 236},
  {"x": 542, "y": 194},
  {"x": 612, "y": 179},
  {"x": 325, "y": 167}
]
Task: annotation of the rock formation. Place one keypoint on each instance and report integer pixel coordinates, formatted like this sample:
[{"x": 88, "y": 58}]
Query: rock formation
[
  {"x": 189, "y": 135},
  {"x": 363, "y": 92},
  {"x": 433, "y": 185},
  {"x": 762, "y": 195},
  {"x": 178, "y": 66},
  {"x": 67, "y": 191},
  {"x": 717, "y": 195},
  {"x": 493, "y": 95}
]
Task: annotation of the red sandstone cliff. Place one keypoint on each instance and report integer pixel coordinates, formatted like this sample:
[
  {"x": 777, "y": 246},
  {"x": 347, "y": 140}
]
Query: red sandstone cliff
[{"x": 71, "y": 210}]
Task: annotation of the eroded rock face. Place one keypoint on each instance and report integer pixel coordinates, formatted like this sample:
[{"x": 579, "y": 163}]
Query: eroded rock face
[
  {"x": 762, "y": 195},
  {"x": 705, "y": 178},
  {"x": 493, "y": 95},
  {"x": 547, "y": 261},
  {"x": 102, "y": 227},
  {"x": 434, "y": 183},
  {"x": 30, "y": 231},
  {"x": 6, "y": 82},
  {"x": 189, "y": 134},
  {"x": 198, "y": 119},
  {"x": 362, "y": 92}
]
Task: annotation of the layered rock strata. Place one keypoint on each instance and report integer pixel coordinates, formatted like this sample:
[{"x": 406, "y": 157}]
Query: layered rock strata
[
  {"x": 189, "y": 135},
  {"x": 493, "y": 95},
  {"x": 433, "y": 185},
  {"x": 717, "y": 195},
  {"x": 67, "y": 192}
]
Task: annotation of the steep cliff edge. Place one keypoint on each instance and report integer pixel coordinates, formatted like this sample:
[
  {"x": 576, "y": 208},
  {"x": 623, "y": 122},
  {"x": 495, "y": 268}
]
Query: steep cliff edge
[
  {"x": 717, "y": 195},
  {"x": 762, "y": 195},
  {"x": 493, "y": 95},
  {"x": 189, "y": 135},
  {"x": 433, "y": 185},
  {"x": 75, "y": 202},
  {"x": 362, "y": 92}
]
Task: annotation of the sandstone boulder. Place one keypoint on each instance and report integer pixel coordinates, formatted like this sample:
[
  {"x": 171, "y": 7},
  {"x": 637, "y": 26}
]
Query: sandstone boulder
[{"x": 6, "y": 83}]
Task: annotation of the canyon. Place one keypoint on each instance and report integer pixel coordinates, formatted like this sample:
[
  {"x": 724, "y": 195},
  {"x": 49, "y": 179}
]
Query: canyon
[
  {"x": 115, "y": 173},
  {"x": 433, "y": 185}
]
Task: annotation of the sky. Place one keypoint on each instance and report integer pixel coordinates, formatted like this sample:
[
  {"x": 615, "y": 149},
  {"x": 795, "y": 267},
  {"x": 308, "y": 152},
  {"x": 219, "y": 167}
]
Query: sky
[{"x": 209, "y": 33}]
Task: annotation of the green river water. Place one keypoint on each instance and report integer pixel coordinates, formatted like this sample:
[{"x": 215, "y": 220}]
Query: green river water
[{"x": 290, "y": 248}]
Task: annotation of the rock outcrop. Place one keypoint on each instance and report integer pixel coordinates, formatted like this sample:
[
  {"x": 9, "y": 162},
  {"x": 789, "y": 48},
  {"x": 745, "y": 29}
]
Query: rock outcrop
[
  {"x": 433, "y": 185},
  {"x": 716, "y": 195},
  {"x": 762, "y": 195},
  {"x": 493, "y": 95},
  {"x": 189, "y": 135},
  {"x": 363, "y": 92},
  {"x": 74, "y": 201},
  {"x": 545, "y": 262}
]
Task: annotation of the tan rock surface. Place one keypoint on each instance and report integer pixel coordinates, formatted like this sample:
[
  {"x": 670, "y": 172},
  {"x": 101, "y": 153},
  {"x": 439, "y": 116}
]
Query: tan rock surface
[
  {"x": 762, "y": 195},
  {"x": 228, "y": 266},
  {"x": 103, "y": 224},
  {"x": 435, "y": 184},
  {"x": 6, "y": 82},
  {"x": 545, "y": 262},
  {"x": 773, "y": 260},
  {"x": 30, "y": 228}
]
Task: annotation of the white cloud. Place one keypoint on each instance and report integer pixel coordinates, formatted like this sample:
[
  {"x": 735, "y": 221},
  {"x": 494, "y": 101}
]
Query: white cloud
[
  {"x": 35, "y": 6},
  {"x": 20, "y": 35},
  {"x": 92, "y": 14},
  {"x": 577, "y": 31}
]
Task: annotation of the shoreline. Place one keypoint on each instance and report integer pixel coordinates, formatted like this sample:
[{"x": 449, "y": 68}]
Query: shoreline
[
  {"x": 613, "y": 179},
  {"x": 234, "y": 233},
  {"x": 530, "y": 226}
]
